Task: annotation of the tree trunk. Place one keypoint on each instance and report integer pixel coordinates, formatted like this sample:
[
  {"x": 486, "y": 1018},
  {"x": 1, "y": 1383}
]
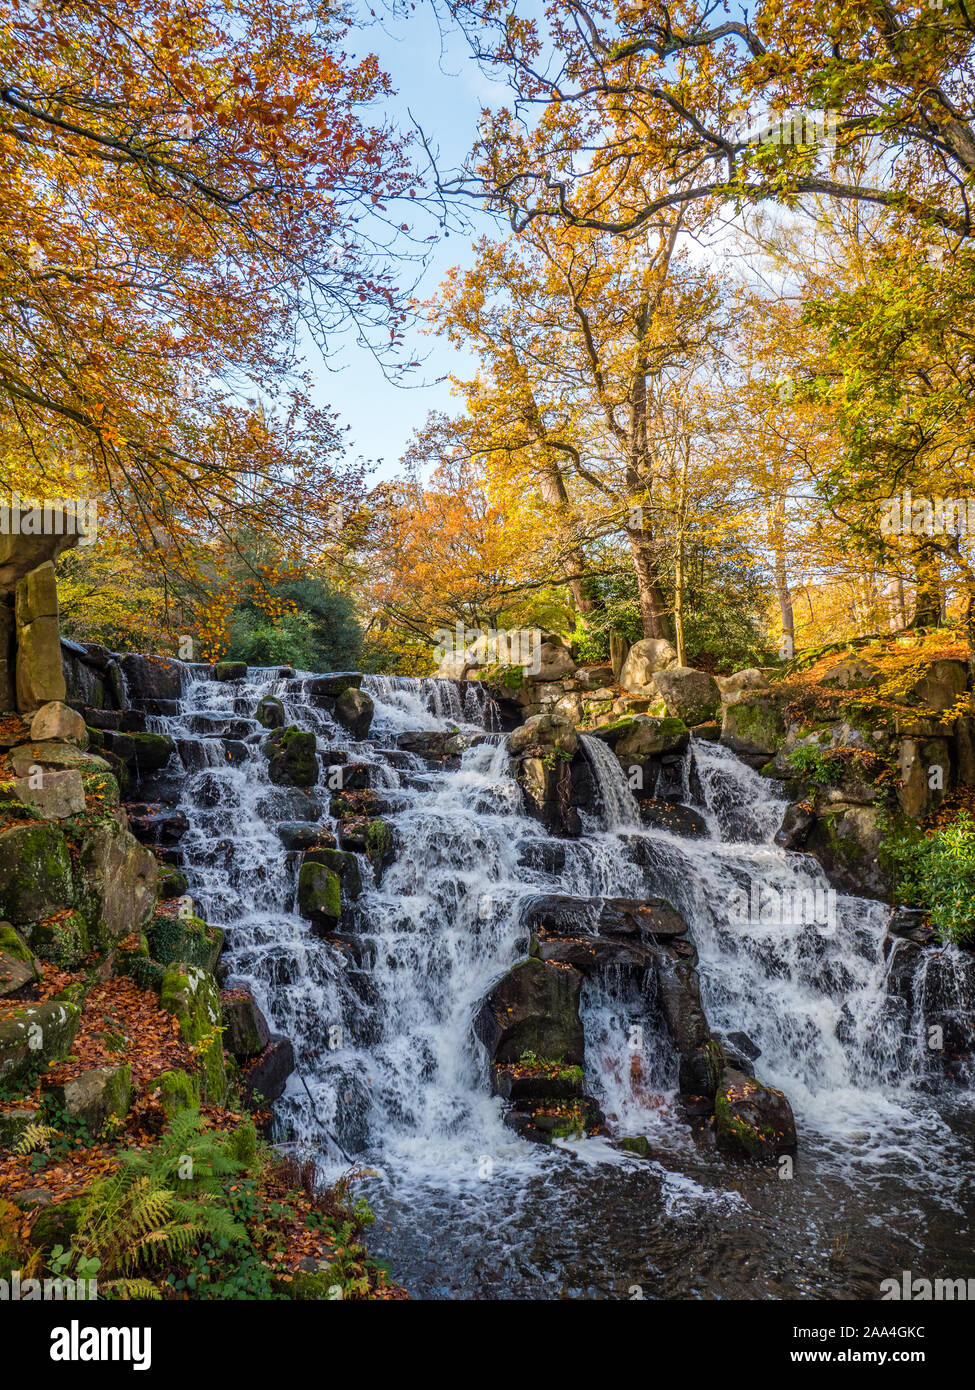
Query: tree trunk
[{"x": 929, "y": 598}]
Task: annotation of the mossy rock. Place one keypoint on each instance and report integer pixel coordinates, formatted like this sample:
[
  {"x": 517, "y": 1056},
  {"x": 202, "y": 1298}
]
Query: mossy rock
[
  {"x": 61, "y": 939},
  {"x": 340, "y": 861},
  {"x": 176, "y": 1091},
  {"x": 171, "y": 883},
  {"x": 637, "y": 1144},
  {"x": 293, "y": 760},
  {"x": 230, "y": 670},
  {"x": 270, "y": 712},
  {"x": 183, "y": 937},
  {"x": 191, "y": 995},
  {"x": 319, "y": 895},
  {"x": 152, "y": 751},
  {"x": 751, "y": 1120},
  {"x": 32, "y": 1035},
  {"x": 378, "y": 838},
  {"x": 17, "y": 965},
  {"x": 55, "y": 1225},
  {"x": 35, "y": 873}
]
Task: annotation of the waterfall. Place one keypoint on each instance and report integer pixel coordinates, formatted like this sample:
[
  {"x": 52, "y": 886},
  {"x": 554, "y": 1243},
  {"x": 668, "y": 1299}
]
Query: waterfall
[
  {"x": 618, "y": 802},
  {"x": 382, "y": 1023}
]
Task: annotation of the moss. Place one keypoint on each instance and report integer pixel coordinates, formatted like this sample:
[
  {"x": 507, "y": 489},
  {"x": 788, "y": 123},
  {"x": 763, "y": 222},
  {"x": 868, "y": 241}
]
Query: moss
[
  {"x": 174, "y": 937},
  {"x": 379, "y": 843},
  {"x": 191, "y": 995},
  {"x": 319, "y": 892},
  {"x": 61, "y": 939},
  {"x": 177, "y": 1090},
  {"x": 35, "y": 873}
]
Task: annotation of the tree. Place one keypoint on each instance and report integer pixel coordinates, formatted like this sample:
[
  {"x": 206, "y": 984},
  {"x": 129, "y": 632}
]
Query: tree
[
  {"x": 684, "y": 107},
  {"x": 188, "y": 190}
]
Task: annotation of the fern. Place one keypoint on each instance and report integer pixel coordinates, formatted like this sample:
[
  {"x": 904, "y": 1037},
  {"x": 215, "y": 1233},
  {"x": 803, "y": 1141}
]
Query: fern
[{"x": 35, "y": 1137}]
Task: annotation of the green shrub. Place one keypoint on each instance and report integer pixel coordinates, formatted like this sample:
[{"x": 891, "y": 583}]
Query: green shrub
[{"x": 936, "y": 872}]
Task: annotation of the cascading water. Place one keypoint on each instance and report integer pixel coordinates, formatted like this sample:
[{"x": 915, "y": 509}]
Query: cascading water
[{"x": 387, "y": 1063}]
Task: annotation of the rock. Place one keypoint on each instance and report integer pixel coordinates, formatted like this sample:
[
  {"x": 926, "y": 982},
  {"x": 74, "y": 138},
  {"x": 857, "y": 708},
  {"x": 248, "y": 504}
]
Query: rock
[
  {"x": 852, "y": 674},
  {"x": 52, "y": 795},
  {"x": 264, "y": 1080},
  {"x": 544, "y": 731},
  {"x": 59, "y": 721},
  {"x": 636, "y": 739},
  {"x": 190, "y": 994},
  {"x": 97, "y": 1095},
  {"x": 680, "y": 1001},
  {"x": 171, "y": 883},
  {"x": 182, "y": 936},
  {"x": 17, "y": 965},
  {"x": 21, "y": 552},
  {"x": 743, "y": 1043},
  {"x": 319, "y": 895},
  {"x": 677, "y": 819},
  {"x": 644, "y": 660},
  {"x": 297, "y": 834},
  {"x": 533, "y": 1008},
  {"x": 637, "y": 1144},
  {"x": 230, "y": 671},
  {"x": 535, "y": 1081},
  {"x": 293, "y": 757},
  {"x": 354, "y": 710},
  {"x": 152, "y": 678},
  {"x": 246, "y": 1031},
  {"x": 752, "y": 1120},
  {"x": 270, "y": 712},
  {"x": 63, "y": 939},
  {"x": 554, "y": 663},
  {"x": 846, "y": 841},
  {"x": 341, "y": 862},
  {"x": 116, "y": 879},
  {"x": 175, "y": 1091},
  {"x": 691, "y": 696},
  {"x": 546, "y": 1120},
  {"x": 321, "y": 689},
  {"x": 569, "y": 707},
  {"x": 157, "y": 825},
  {"x": 638, "y": 919},
  {"x": 911, "y": 924},
  {"x": 941, "y": 686},
  {"x": 13, "y": 1123},
  {"x": 916, "y": 759},
  {"x": 152, "y": 751},
  {"x": 794, "y": 830},
  {"x": 35, "y": 873},
  {"x": 592, "y": 954},
  {"x": 57, "y": 1223},
  {"x": 425, "y": 745},
  {"x": 753, "y": 724},
  {"x": 34, "y": 1034},
  {"x": 749, "y": 679}
]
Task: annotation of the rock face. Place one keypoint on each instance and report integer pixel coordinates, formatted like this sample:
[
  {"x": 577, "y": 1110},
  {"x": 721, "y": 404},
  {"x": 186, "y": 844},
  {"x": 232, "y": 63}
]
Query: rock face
[
  {"x": 753, "y": 724},
  {"x": 57, "y": 720},
  {"x": 643, "y": 661},
  {"x": 152, "y": 678},
  {"x": 533, "y": 1008},
  {"x": 17, "y": 967},
  {"x": 689, "y": 695},
  {"x": 752, "y": 1120},
  {"x": 264, "y": 1080},
  {"x": 552, "y": 772}
]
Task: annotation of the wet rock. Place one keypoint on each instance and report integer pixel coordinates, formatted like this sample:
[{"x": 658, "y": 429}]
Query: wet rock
[
  {"x": 230, "y": 671},
  {"x": 753, "y": 724},
  {"x": 794, "y": 830},
  {"x": 533, "y": 1008},
  {"x": 152, "y": 678},
  {"x": 425, "y": 744},
  {"x": 543, "y": 856},
  {"x": 751, "y": 1120},
  {"x": 679, "y": 991},
  {"x": 677, "y": 819},
  {"x": 910, "y": 923},
  {"x": 171, "y": 884},
  {"x": 846, "y": 841},
  {"x": 548, "y": 1119},
  {"x": 246, "y": 1031},
  {"x": 319, "y": 895},
  {"x": 341, "y": 862},
  {"x": 535, "y": 1081},
  {"x": 592, "y": 954},
  {"x": 300, "y": 834},
  {"x": 293, "y": 760},
  {"x": 354, "y": 710},
  {"x": 322, "y": 690},
  {"x": 639, "y": 919},
  {"x": 264, "y": 1080},
  {"x": 270, "y": 712},
  {"x": 157, "y": 825}
]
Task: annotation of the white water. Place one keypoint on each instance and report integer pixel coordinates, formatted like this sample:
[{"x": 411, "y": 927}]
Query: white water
[{"x": 407, "y": 1086}]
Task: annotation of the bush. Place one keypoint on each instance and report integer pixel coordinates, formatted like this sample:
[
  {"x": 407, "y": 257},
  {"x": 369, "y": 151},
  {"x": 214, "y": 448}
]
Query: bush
[{"x": 936, "y": 872}]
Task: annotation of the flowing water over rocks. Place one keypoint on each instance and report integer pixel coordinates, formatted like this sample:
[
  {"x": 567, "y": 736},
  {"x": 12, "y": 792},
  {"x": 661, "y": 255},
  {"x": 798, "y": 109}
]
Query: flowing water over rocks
[{"x": 390, "y": 1074}]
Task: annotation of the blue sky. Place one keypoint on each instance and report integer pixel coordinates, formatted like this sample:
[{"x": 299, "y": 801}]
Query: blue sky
[{"x": 444, "y": 92}]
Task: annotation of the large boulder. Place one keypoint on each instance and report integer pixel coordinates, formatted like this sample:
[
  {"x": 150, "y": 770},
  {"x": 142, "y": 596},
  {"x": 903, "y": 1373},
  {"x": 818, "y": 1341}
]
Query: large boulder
[
  {"x": 846, "y": 840},
  {"x": 321, "y": 690},
  {"x": 751, "y": 1120},
  {"x": 543, "y": 732},
  {"x": 643, "y": 661},
  {"x": 56, "y": 720},
  {"x": 941, "y": 686},
  {"x": 753, "y": 724},
  {"x": 533, "y": 1008},
  {"x": 246, "y": 1032},
  {"x": 23, "y": 551},
  {"x": 52, "y": 795},
  {"x": 691, "y": 696},
  {"x": 190, "y": 994},
  {"x": 17, "y": 964},
  {"x": 264, "y": 1079},
  {"x": 319, "y": 895}
]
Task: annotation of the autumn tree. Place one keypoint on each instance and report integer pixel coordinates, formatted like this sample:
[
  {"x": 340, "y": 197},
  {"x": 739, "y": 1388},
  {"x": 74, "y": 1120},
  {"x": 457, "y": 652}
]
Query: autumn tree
[{"x": 191, "y": 193}]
